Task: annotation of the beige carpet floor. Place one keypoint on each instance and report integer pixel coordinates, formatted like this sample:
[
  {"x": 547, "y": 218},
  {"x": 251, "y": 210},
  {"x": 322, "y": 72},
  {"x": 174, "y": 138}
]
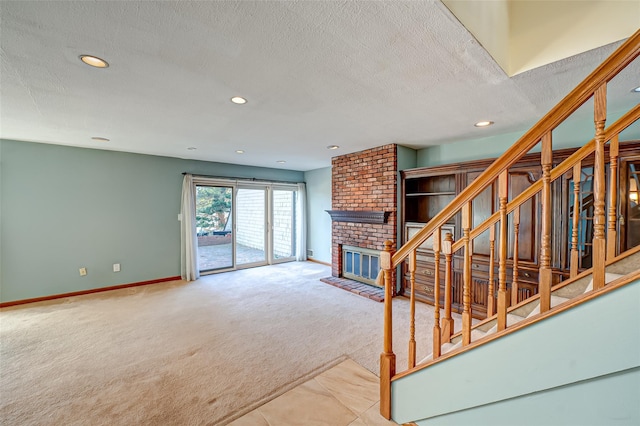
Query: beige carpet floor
[{"x": 199, "y": 353}]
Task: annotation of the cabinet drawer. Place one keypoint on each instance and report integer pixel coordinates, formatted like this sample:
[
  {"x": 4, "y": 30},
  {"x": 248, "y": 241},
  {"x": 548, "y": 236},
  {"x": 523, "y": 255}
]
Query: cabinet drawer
[
  {"x": 480, "y": 267},
  {"x": 426, "y": 289},
  {"x": 427, "y": 272},
  {"x": 527, "y": 275}
]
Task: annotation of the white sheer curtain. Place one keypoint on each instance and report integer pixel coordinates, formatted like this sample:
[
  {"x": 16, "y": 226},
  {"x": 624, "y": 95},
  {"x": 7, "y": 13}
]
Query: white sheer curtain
[
  {"x": 301, "y": 222},
  {"x": 188, "y": 239}
]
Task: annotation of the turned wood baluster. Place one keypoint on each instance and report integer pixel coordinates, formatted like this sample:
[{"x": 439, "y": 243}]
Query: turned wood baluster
[
  {"x": 516, "y": 231},
  {"x": 447, "y": 321},
  {"x": 599, "y": 242},
  {"x": 613, "y": 198},
  {"x": 544, "y": 282},
  {"x": 466, "y": 275},
  {"x": 387, "y": 357},
  {"x": 491, "y": 300},
  {"x": 575, "y": 256},
  {"x": 436, "y": 294},
  {"x": 503, "y": 193},
  {"x": 412, "y": 308}
]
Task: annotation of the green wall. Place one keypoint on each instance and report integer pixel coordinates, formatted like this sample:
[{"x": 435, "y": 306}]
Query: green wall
[
  {"x": 407, "y": 158},
  {"x": 318, "y": 220},
  {"x": 577, "y": 367},
  {"x": 593, "y": 402},
  {"x": 573, "y": 133},
  {"x": 64, "y": 208}
]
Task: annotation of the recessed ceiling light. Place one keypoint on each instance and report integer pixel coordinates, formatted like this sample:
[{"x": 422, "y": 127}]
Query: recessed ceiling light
[
  {"x": 333, "y": 147},
  {"x": 99, "y": 139},
  {"x": 94, "y": 61},
  {"x": 280, "y": 161},
  {"x": 192, "y": 148},
  {"x": 483, "y": 123},
  {"x": 239, "y": 151},
  {"x": 238, "y": 100},
  {"x": 637, "y": 89}
]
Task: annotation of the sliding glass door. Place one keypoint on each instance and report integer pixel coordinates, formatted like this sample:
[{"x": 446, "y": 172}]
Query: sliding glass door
[
  {"x": 283, "y": 219},
  {"x": 244, "y": 224},
  {"x": 213, "y": 227},
  {"x": 251, "y": 216}
]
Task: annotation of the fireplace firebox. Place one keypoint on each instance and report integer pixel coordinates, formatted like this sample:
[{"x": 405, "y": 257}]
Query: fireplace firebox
[{"x": 360, "y": 264}]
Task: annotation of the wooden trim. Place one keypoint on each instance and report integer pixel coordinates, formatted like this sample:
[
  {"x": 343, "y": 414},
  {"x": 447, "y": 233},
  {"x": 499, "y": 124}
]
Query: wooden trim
[
  {"x": 310, "y": 259},
  {"x": 614, "y": 285},
  {"x": 623, "y": 56},
  {"x": 90, "y": 291}
]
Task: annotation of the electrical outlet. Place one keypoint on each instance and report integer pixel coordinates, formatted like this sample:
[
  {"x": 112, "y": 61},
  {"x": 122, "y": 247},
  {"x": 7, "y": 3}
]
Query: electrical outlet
[
  {"x": 83, "y": 272},
  {"x": 116, "y": 267}
]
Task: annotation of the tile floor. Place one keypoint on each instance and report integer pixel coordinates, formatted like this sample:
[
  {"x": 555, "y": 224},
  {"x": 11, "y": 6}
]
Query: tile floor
[{"x": 345, "y": 395}]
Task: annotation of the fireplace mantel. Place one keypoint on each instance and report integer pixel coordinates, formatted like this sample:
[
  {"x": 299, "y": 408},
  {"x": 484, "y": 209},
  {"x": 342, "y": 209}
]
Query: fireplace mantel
[{"x": 358, "y": 216}]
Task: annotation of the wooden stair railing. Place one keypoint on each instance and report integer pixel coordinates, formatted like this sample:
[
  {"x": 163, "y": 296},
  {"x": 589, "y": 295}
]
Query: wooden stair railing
[{"x": 594, "y": 86}]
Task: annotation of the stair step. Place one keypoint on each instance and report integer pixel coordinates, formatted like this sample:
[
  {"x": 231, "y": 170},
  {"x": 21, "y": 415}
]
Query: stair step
[
  {"x": 446, "y": 347},
  {"x": 555, "y": 301},
  {"x": 608, "y": 277}
]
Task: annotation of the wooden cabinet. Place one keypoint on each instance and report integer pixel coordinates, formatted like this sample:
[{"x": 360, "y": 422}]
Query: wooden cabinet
[
  {"x": 425, "y": 197},
  {"x": 426, "y": 191},
  {"x": 630, "y": 205}
]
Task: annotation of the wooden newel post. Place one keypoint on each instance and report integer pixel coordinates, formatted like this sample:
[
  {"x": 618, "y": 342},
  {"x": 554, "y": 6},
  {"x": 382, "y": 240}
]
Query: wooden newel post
[{"x": 387, "y": 357}]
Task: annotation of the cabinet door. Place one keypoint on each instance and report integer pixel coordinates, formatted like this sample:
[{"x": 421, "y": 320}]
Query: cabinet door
[
  {"x": 521, "y": 178},
  {"x": 629, "y": 221},
  {"x": 487, "y": 203},
  {"x": 584, "y": 211},
  {"x": 483, "y": 206},
  {"x": 426, "y": 266}
]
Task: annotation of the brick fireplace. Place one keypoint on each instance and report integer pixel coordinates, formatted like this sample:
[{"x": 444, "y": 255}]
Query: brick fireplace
[{"x": 364, "y": 187}]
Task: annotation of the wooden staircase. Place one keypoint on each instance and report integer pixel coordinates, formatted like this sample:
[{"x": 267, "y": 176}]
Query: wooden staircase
[
  {"x": 563, "y": 296},
  {"x": 608, "y": 267}
]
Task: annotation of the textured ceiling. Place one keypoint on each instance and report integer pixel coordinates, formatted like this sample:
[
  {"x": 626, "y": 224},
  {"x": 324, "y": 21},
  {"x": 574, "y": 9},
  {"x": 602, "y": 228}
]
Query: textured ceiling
[{"x": 357, "y": 74}]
